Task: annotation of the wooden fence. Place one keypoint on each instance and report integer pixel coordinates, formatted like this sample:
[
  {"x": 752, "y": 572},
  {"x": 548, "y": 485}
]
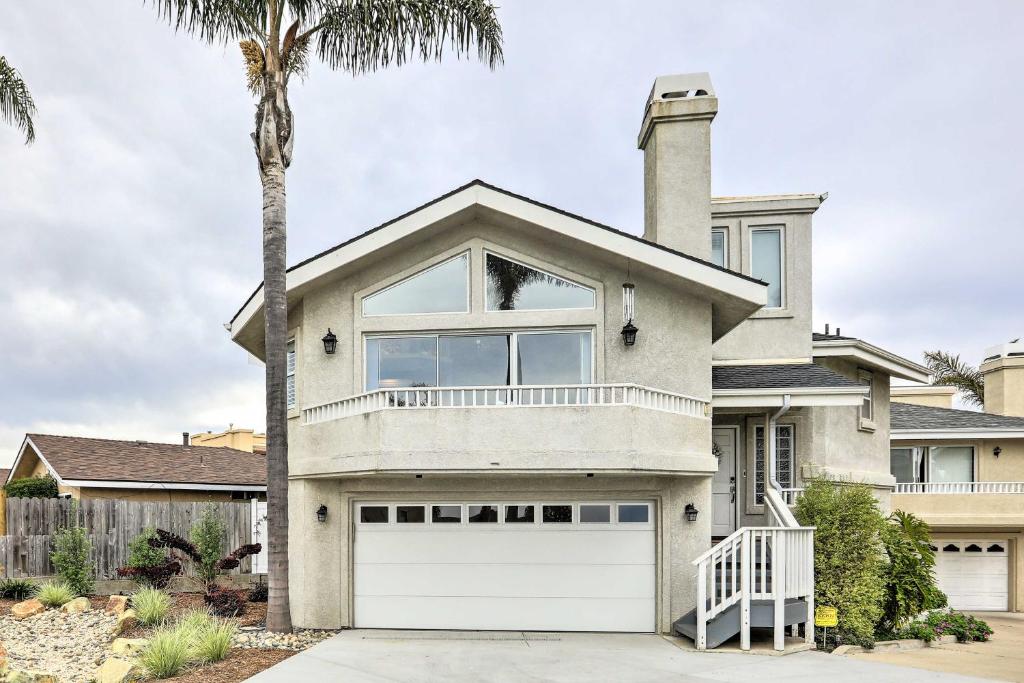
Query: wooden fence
[{"x": 111, "y": 525}]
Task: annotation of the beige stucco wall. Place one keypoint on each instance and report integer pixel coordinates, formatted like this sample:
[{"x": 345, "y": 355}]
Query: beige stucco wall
[
  {"x": 931, "y": 396},
  {"x": 321, "y": 554},
  {"x": 772, "y": 333},
  {"x": 239, "y": 439},
  {"x": 1004, "y": 386}
]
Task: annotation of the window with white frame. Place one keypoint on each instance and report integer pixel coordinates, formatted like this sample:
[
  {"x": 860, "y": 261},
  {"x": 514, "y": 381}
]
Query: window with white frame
[
  {"x": 441, "y": 288},
  {"x": 550, "y": 357},
  {"x": 514, "y": 286},
  {"x": 766, "y": 263},
  {"x": 922, "y": 464},
  {"x": 784, "y": 449},
  {"x": 290, "y": 374},
  {"x": 720, "y": 247},
  {"x": 867, "y": 406}
]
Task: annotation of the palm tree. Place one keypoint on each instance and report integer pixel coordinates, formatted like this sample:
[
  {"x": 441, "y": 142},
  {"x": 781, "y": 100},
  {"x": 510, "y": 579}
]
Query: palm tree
[
  {"x": 277, "y": 38},
  {"x": 16, "y": 105},
  {"x": 948, "y": 370}
]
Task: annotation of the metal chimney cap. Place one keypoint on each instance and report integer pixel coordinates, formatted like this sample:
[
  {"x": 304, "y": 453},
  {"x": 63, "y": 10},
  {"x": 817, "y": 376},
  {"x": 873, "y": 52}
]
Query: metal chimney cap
[{"x": 681, "y": 86}]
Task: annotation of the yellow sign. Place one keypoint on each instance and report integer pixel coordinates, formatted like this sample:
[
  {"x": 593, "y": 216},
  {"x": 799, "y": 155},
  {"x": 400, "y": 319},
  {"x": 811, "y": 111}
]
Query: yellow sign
[{"x": 826, "y": 616}]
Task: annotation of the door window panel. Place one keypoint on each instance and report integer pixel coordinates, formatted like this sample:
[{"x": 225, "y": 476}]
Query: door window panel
[
  {"x": 443, "y": 288},
  {"x": 950, "y": 463},
  {"x": 514, "y": 286},
  {"x": 554, "y": 358},
  {"x": 784, "y": 449},
  {"x": 905, "y": 465},
  {"x": 473, "y": 361}
]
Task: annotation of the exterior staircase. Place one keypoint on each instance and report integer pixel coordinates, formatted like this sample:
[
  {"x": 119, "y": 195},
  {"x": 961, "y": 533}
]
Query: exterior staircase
[{"x": 758, "y": 577}]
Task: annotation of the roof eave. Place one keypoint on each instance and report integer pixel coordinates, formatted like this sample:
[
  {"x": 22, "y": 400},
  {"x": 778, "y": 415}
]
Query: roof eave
[
  {"x": 951, "y": 434},
  {"x": 872, "y": 356},
  {"x": 183, "y": 486},
  {"x": 798, "y": 397}
]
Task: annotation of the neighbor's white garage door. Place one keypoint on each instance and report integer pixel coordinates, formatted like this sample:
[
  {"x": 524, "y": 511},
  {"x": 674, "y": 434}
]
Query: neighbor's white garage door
[
  {"x": 534, "y": 566},
  {"x": 973, "y": 574}
]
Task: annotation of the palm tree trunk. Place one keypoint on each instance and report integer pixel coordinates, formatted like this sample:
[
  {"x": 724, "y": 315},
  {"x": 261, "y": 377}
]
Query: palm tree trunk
[{"x": 273, "y": 148}]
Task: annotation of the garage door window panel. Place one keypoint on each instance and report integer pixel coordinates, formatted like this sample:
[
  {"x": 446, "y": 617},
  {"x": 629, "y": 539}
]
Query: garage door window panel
[
  {"x": 446, "y": 514},
  {"x": 556, "y": 514},
  {"x": 483, "y": 514},
  {"x": 373, "y": 514},
  {"x": 634, "y": 514},
  {"x": 410, "y": 514},
  {"x": 519, "y": 514},
  {"x": 595, "y": 514}
]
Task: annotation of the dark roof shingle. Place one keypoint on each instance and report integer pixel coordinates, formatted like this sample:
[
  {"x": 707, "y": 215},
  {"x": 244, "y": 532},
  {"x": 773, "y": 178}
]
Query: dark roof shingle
[
  {"x": 909, "y": 416},
  {"x": 818, "y": 336},
  {"x": 75, "y": 457},
  {"x": 787, "y": 376}
]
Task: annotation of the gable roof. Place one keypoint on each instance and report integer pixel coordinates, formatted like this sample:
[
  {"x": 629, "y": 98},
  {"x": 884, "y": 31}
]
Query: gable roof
[
  {"x": 81, "y": 461},
  {"x": 913, "y": 421},
  {"x": 734, "y": 295},
  {"x": 868, "y": 355}
]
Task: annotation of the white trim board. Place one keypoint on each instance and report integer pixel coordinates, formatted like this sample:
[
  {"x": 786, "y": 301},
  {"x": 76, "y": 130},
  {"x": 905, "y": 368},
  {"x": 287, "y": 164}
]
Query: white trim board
[
  {"x": 872, "y": 356},
  {"x": 954, "y": 434},
  {"x": 773, "y": 398}
]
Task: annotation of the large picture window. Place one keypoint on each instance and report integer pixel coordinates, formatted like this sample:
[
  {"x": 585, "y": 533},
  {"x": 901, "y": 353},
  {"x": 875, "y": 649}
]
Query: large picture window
[
  {"x": 766, "y": 262},
  {"x": 513, "y": 286},
  {"x": 443, "y": 288},
  {"x": 783, "y": 459},
  {"x": 479, "y": 360},
  {"x": 923, "y": 464}
]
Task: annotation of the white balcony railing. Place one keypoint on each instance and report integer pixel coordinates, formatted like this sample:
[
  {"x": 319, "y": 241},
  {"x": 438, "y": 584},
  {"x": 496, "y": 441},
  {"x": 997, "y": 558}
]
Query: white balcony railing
[
  {"x": 962, "y": 487},
  {"x": 508, "y": 397}
]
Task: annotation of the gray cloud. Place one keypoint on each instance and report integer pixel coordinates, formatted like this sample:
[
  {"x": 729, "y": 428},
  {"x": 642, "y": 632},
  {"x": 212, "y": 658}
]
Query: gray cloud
[{"x": 130, "y": 230}]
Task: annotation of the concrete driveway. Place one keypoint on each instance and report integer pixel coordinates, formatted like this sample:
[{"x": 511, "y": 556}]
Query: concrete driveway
[{"x": 468, "y": 657}]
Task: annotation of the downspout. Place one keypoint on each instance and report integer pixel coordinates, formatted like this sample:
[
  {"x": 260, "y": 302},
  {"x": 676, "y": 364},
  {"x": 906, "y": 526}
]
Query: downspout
[{"x": 770, "y": 436}]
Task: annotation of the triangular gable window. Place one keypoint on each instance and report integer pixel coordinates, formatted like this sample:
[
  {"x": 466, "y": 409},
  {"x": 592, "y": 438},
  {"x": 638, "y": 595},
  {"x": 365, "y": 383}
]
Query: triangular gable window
[
  {"x": 443, "y": 288},
  {"x": 513, "y": 286}
]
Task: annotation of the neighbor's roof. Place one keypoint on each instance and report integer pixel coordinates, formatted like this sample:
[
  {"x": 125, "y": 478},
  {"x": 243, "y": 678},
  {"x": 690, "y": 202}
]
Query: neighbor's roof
[
  {"x": 105, "y": 462},
  {"x": 735, "y": 295},
  {"x": 910, "y": 421},
  {"x": 3, "y": 475},
  {"x": 758, "y": 386},
  {"x": 868, "y": 355}
]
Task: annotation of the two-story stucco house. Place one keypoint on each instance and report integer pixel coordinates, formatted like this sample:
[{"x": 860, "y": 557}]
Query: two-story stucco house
[{"x": 534, "y": 421}]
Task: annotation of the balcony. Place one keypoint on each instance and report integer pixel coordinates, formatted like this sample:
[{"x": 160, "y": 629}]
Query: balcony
[
  {"x": 569, "y": 428},
  {"x": 963, "y": 504}
]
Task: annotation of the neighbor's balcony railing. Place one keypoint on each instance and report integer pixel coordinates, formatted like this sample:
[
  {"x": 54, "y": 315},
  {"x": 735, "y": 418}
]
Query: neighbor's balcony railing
[
  {"x": 508, "y": 397},
  {"x": 962, "y": 487}
]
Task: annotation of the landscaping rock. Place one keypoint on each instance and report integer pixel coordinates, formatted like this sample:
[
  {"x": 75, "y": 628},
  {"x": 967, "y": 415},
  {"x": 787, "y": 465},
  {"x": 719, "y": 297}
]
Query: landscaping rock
[
  {"x": 128, "y": 647},
  {"x": 76, "y": 606},
  {"x": 28, "y": 608},
  {"x": 65, "y": 646},
  {"x": 125, "y": 621},
  {"x": 116, "y": 604},
  {"x": 119, "y": 670},
  {"x": 299, "y": 640},
  {"x": 27, "y": 676}
]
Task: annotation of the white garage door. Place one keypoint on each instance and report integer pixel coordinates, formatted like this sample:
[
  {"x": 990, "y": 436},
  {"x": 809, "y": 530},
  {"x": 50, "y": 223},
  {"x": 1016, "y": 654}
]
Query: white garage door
[
  {"x": 973, "y": 574},
  {"x": 517, "y": 565}
]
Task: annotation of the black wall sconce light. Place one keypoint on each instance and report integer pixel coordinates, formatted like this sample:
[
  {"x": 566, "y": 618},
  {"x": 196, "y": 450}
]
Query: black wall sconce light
[
  {"x": 321, "y": 514},
  {"x": 330, "y": 341},
  {"x": 691, "y": 512},
  {"x": 629, "y": 330},
  {"x": 996, "y": 451}
]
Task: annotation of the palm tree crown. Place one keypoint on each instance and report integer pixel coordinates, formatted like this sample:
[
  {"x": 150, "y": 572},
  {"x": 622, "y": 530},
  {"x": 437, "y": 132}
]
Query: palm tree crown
[
  {"x": 948, "y": 370},
  {"x": 16, "y": 105}
]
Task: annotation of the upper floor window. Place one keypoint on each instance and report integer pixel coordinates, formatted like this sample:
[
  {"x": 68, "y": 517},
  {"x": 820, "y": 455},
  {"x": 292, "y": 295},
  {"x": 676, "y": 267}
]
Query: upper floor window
[
  {"x": 920, "y": 464},
  {"x": 783, "y": 459},
  {"x": 867, "y": 406},
  {"x": 443, "y": 288},
  {"x": 766, "y": 262},
  {"x": 290, "y": 374},
  {"x": 720, "y": 247},
  {"x": 513, "y": 286},
  {"x": 479, "y": 360}
]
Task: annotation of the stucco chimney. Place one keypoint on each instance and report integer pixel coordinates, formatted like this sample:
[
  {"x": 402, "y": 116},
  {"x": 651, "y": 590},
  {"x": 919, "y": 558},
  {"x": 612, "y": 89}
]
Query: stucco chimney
[
  {"x": 676, "y": 139},
  {"x": 1003, "y": 370}
]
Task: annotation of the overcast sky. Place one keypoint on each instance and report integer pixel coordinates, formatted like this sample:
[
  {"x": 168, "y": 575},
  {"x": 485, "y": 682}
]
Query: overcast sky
[{"x": 131, "y": 228}]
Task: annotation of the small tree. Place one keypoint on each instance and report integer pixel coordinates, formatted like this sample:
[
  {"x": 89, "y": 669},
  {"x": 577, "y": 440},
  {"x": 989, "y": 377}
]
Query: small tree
[
  {"x": 32, "y": 487},
  {"x": 208, "y": 538},
  {"x": 149, "y": 564},
  {"x": 70, "y": 556},
  {"x": 910, "y": 586},
  {"x": 847, "y": 555}
]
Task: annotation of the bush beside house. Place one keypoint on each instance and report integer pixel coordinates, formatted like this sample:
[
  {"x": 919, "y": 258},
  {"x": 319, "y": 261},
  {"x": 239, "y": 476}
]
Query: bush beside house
[{"x": 32, "y": 487}]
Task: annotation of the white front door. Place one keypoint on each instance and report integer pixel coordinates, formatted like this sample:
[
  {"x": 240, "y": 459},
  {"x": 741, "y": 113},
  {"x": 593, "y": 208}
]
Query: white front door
[
  {"x": 514, "y": 565},
  {"x": 723, "y": 486},
  {"x": 974, "y": 574}
]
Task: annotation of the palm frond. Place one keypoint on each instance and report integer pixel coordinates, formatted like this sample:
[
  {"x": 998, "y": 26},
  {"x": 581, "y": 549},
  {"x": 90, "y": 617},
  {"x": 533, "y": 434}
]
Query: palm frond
[
  {"x": 366, "y": 35},
  {"x": 16, "y": 105},
  {"x": 948, "y": 370},
  {"x": 215, "y": 21}
]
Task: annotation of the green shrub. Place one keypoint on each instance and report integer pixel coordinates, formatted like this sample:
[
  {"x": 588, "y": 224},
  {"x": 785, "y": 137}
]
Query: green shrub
[
  {"x": 847, "y": 555},
  {"x": 909, "y": 573},
  {"x": 207, "y": 535},
  {"x": 918, "y": 630},
  {"x": 70, "y": 557},
  {"x": 166, "y": 654},
  {"x": 965, "y": 627},
  {"x": 17, "y": 589},
  {"x": 142, "y": 554},
  {"x": 213, "y": 642},
  {"x": 151, "y": 604},
  {"x": 32, "y": 487},
  {"x": 54, "y": 594}
]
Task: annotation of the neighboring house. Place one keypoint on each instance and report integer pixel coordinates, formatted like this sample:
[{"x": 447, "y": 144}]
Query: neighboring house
[
  {"x": 962, "y": 471},
  {"x": 535, "y": 421},
  {"x": 240, "y": 439},
  {"x": 141, "y": 470},
  {"x": 3, "y": 499}
]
